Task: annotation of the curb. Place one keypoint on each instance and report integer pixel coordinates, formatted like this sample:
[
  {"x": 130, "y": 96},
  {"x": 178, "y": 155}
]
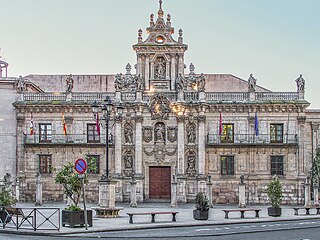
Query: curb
[{"x": 136, "y": 228}]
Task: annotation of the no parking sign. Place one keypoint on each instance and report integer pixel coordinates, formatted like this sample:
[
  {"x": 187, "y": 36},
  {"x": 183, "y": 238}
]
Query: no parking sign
[{"x": 80, "y": 166}]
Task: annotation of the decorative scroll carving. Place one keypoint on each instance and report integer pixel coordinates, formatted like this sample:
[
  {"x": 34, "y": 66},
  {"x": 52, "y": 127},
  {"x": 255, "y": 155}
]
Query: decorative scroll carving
[
  {"x": 172, "y": 134},
  {"x": 147, "y": 134},
  {"x": 128, "y": 82},
  {"x": 159, "y": 132},
  {"x": 191, "y": 83},
  {"x": 159, "y": 106},
  {"x": 159, "y": 152}
]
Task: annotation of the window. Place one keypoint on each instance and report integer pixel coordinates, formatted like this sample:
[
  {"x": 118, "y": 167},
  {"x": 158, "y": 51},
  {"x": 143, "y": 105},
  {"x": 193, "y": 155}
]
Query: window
[
  {"x": 45, "y": 163},
  {"x": 277, "y": 165},
  {"x": 227, "y": 165},
  {"x": 276, "y": 133},
  {"x": 92, "y": 134},
  {"x": 96, "y": 161},
  {"x": 45, "y": 132},
  {"x": 227, "y": 133}
]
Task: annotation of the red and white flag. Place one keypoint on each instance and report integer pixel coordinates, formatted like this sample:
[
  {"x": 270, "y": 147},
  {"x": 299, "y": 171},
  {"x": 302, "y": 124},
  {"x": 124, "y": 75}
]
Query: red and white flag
[
  {"x": 64, "y": 125},
  {"x": 31, "y": 126}
]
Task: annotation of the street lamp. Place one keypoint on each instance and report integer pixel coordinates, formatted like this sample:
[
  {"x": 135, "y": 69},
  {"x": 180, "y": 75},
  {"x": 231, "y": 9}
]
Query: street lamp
[{"x": 106, "y": 109}]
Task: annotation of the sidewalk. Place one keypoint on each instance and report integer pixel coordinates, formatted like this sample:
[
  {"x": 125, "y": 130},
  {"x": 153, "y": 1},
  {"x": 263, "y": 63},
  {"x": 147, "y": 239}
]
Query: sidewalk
[{"x": 184, "y": 218}]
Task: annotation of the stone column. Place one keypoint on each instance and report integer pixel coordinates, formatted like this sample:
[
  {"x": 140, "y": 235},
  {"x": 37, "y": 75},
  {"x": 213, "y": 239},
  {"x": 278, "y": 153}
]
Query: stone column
[
  {"x": 201, "y": 144},
  {"x": 17, "y": 189},
  {"x": 173, "y": 72},
  {"x": 307, "y": 193},
  {"x": 107, "y": 194},
  {"x": 117, "y": 146},
  {"x": 168, "y": 71},
  {"x": 138, "y": 144},
  {"x": 147, "y": 72},
  {"x": 242, "y": 195},
  {"x": 133, "y": 193},
  {"x": 139, "y": 64},
  {"x": 152, "y": 70},
  {"x": 118, "y": 96},
  {"x": 209, "y": 191},
  {"x": 174, "y": 202},
  {"x": 181, "y": 64},
  {"x": 316, "y": 194},
  {"x": 39, "y": 201},
  {"x": 180, "y": 120}
]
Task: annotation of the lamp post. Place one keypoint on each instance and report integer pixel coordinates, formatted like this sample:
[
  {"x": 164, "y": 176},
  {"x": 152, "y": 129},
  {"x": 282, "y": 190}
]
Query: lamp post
[
  {"x": 106, "y": 206},
  {"x": 106, "y": 109}
]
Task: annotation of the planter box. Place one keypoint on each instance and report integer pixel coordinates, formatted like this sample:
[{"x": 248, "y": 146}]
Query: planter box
[
  {"x": 200, "y": 214},
  {"x": 274, "y": 212},
  {"x": 75, "y": 218}
]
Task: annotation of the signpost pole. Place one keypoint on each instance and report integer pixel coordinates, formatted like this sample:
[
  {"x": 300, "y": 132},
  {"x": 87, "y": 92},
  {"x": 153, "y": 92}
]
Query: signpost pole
[
  {"x": 81, "y": 167},
  {"x": 84, "y": 203}
]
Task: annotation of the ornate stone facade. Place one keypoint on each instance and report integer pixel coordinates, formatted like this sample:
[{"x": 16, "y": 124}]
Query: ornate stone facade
[{"x": 195, "y": 125}]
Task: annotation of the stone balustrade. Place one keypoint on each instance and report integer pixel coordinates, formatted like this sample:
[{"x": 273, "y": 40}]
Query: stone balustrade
[{"x": 172, "y": 96}]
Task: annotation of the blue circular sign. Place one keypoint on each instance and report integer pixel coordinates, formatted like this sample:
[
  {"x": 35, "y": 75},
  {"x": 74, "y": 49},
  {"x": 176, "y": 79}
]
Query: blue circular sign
[{"x": 80, "y": 166}]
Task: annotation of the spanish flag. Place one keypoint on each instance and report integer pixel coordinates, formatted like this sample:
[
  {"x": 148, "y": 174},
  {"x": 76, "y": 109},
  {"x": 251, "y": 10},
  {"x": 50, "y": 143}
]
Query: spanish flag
[
  {"x": 31, "y": 126},
  {"x": 64, "y": 125}
]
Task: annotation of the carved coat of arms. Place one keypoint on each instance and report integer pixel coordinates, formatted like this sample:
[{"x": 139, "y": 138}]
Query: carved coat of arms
[
  {"x": 147, "y": 134},
  {"x": 172, "y": 134}
]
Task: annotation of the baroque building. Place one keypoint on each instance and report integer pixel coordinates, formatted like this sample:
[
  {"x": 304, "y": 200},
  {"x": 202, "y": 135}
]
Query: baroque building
[{"x": 177, "y": 125}]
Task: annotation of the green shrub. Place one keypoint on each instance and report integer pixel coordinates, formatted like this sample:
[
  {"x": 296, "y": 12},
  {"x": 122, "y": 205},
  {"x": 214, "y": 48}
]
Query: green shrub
[
  {"x": 6, "y": 198},
  {"x": 202, "y": 202},
  {"x": 275, "y": 192}
]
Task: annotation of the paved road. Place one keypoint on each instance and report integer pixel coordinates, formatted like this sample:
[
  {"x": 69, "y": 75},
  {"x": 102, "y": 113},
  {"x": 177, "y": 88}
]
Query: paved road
[{"x": 295, "y": 230}]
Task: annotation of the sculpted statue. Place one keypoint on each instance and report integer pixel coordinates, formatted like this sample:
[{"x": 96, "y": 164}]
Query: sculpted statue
[
  {"x": 118, "y": 82},
  {"x": 160, "y": 132},
  {"x": 202, "y": 82},
  {"x": 300, "y": 83},
  {"x": 160, "y": 68},
  {"x": 69, "y": 81},
  {"x": 180, "y": 82},
  {"x": 21, "y": 84},
  {"x": 252, "y": 83},
  {"x": 139, "y": 83},
  {"x": 128, "y": 133},
  {"x": 191, "y": 134},
  {"x": 242, "y": 179},
  {"x": 191, "y": 161},
  {"x": 128, "y": 161}
]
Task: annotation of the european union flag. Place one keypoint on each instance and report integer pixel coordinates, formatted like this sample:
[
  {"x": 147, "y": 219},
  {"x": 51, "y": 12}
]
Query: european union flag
[{"x": 256, "y": 125}]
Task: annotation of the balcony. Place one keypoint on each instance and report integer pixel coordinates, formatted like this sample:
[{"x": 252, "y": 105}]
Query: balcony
[
  {"x": 61, "y": 139},
  {"x": 251, "y": 139}
]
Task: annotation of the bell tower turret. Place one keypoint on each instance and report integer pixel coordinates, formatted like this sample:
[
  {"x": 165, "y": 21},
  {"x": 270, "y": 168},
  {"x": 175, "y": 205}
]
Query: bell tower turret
[{"x": 160, "y": 58}]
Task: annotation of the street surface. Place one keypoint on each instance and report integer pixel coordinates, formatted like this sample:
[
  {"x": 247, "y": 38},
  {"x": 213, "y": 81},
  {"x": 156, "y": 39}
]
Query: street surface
[{"x": 290, "y": 230}]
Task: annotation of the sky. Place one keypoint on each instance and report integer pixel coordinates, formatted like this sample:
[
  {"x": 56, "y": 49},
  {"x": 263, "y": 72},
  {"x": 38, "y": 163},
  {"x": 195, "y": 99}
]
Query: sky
[{"x": 275, "y": 40}]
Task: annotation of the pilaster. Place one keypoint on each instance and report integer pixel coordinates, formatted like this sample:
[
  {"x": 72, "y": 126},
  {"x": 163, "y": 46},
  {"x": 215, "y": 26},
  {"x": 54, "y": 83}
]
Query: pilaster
[
  {"x": 138, "y": 144},
  {"x": 181, "y": 168},
  {"x": 201, "y": 144}
]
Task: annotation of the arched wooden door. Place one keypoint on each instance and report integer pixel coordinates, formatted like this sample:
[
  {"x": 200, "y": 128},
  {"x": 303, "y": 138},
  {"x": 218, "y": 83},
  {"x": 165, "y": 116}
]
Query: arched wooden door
[{"x": 160, "y": 183}]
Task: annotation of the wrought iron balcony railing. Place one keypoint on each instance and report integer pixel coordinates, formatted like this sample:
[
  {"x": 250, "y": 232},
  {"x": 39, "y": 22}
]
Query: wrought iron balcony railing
[
  {"x": 67, "y": 139},
  {"x": 216, "y": 139}
]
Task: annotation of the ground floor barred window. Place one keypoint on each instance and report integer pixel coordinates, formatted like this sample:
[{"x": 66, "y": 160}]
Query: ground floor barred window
[
  {"x": 45, "y": 163},
  {"x": 227, "y": 165}
]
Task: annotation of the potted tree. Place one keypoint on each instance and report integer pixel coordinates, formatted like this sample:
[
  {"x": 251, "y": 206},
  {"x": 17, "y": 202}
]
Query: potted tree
[
  {"x": 274, "y": 191},
  {"x": 73, "y": 215},
  {"x": 6, "y": 200},
  {"x": 202, "y": 207}
]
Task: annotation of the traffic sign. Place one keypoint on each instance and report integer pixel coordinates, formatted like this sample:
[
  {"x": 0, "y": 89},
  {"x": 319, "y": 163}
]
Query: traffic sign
[{"x": 80, "y": 166}]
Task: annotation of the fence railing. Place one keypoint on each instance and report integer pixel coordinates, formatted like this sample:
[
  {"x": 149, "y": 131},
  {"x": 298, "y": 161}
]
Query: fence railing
[
  {"x": 30, "y": 218},
  {"x": 66, "y": 139},
  {"x": 213, "y": 139},
  {"x": 172, "y": 96}
]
